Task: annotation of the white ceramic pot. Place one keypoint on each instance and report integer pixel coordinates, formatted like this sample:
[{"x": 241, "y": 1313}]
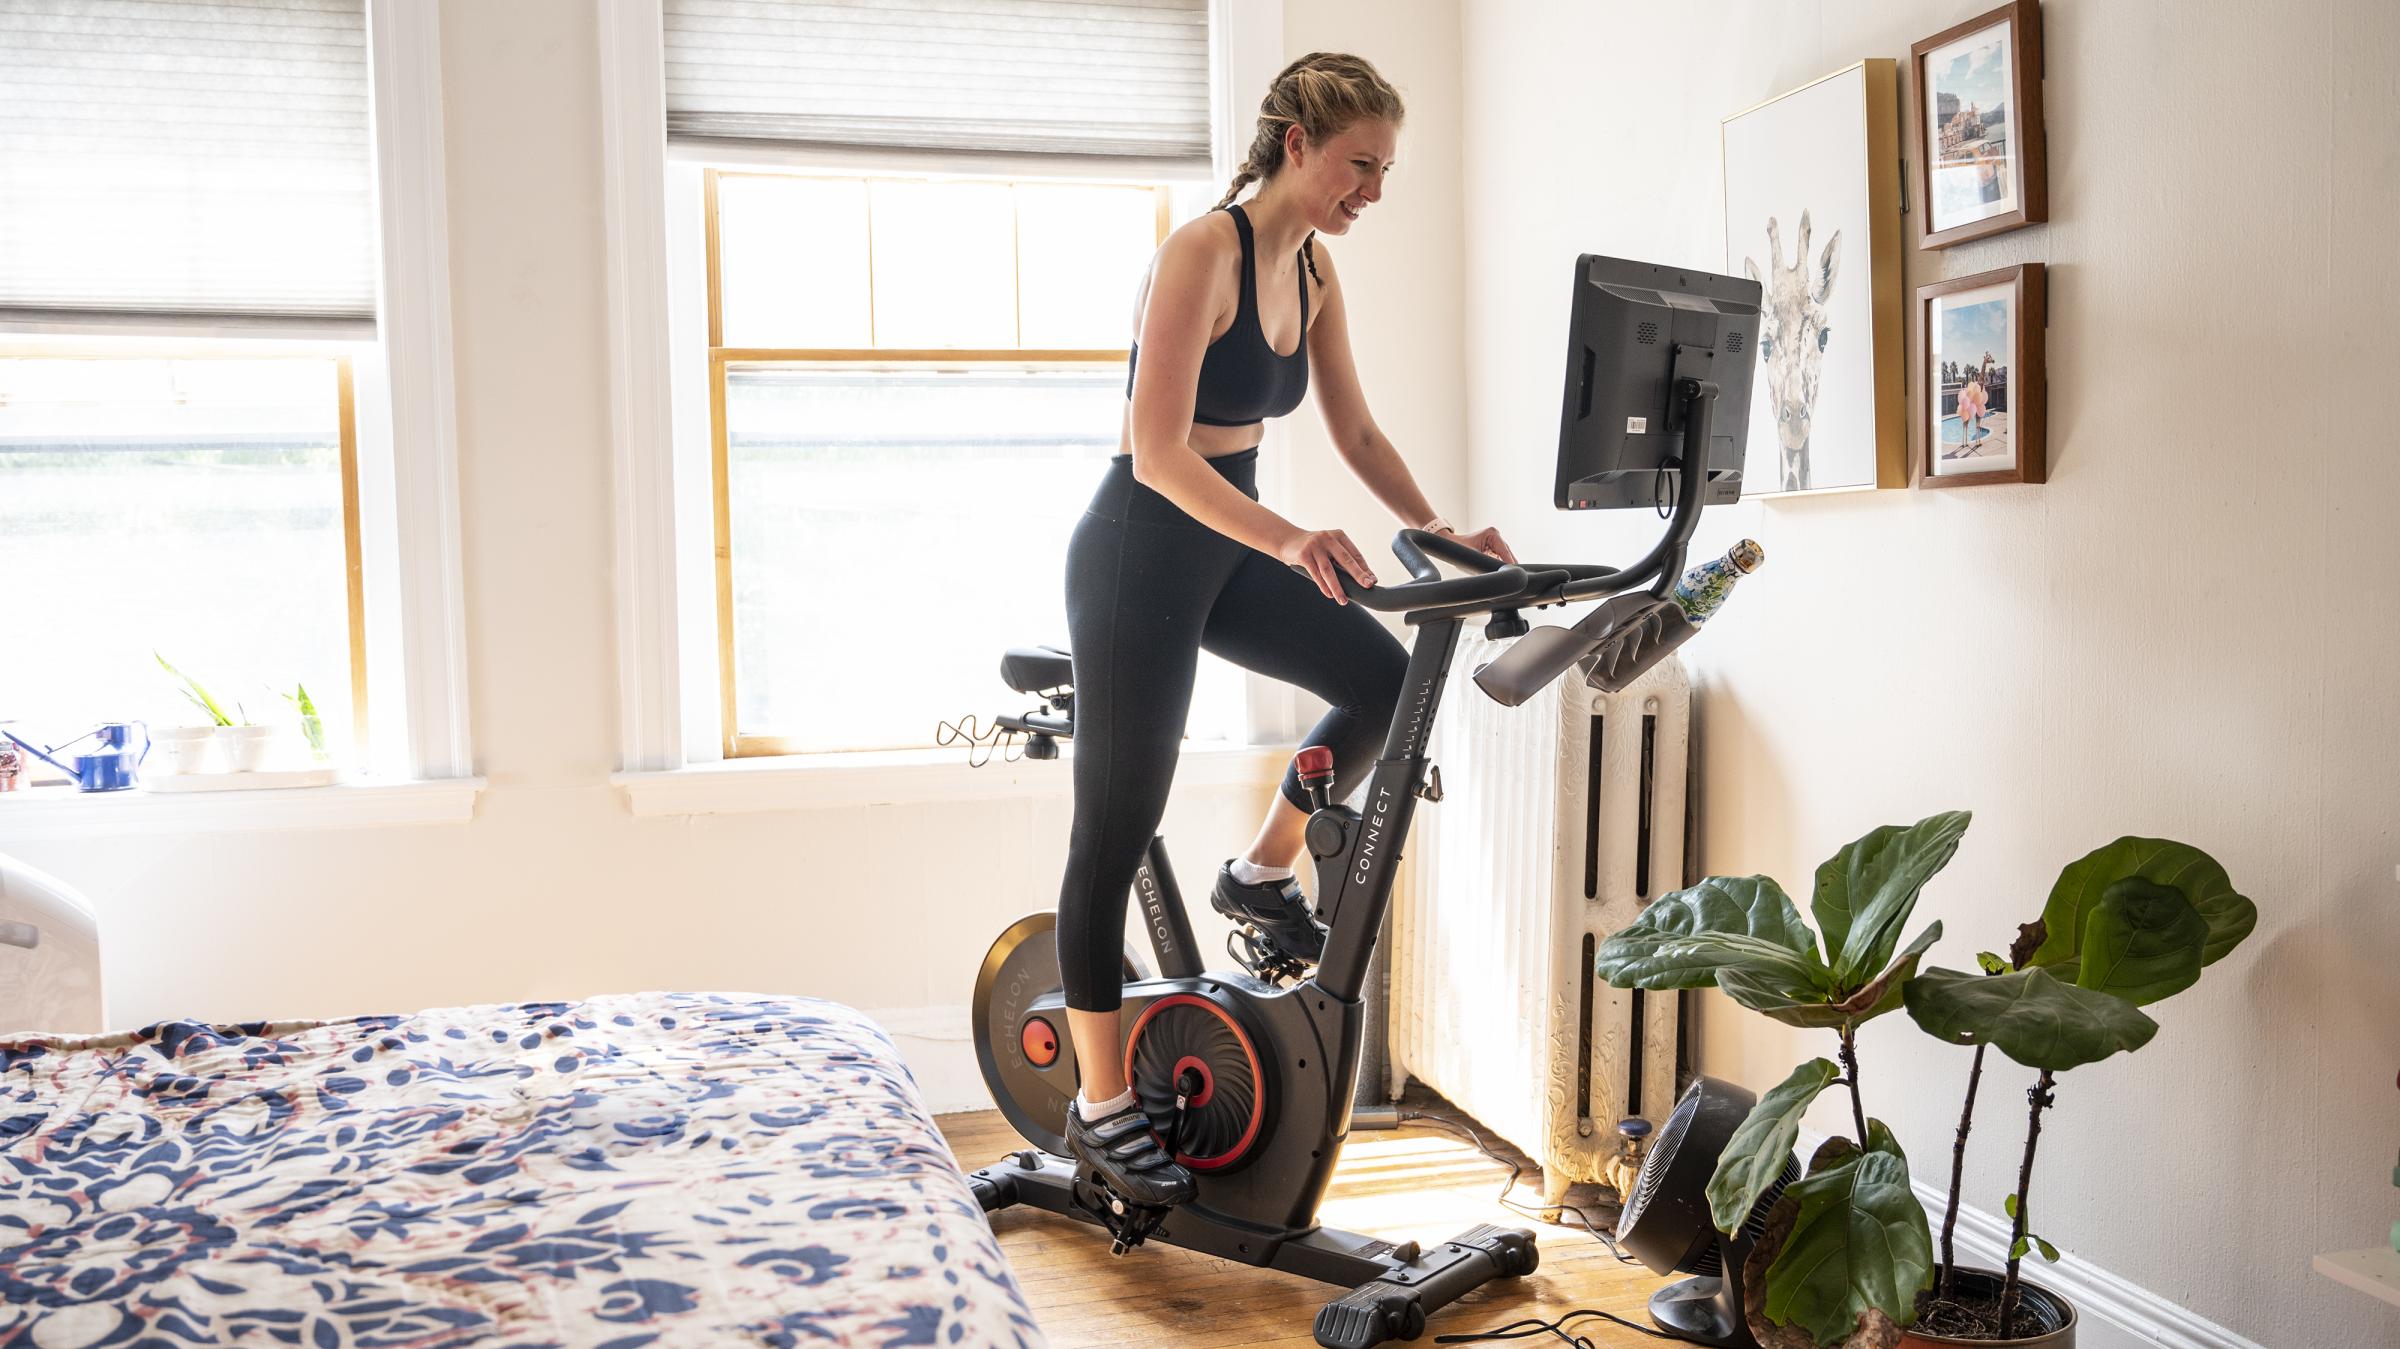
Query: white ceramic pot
[
  {"x": 246, "y": 747},
  {"x": 182, "y": 749}
]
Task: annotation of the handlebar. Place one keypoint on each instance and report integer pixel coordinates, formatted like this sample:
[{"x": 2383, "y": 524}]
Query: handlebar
[{"x": 1495, "y": 581}]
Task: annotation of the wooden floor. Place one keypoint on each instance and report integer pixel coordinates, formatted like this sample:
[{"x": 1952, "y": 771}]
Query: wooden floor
[{"x": 1417, "y": 1183}]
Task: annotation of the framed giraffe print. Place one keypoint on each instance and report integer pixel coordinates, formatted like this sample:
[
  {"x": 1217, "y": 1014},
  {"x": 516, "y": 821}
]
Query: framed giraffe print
[{"x": 1812, "y": 213}]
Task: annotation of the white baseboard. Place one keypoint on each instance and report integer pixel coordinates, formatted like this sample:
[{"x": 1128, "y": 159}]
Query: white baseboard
[
  {"x": 937, "y": 1044},
  {"x": 2117, "y": 1314}
]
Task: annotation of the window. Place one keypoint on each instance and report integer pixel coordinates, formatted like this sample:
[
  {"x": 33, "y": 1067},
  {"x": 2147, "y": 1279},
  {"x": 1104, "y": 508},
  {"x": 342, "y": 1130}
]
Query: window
[
  {"x": 226, "y": 426},
  {"x": 915, "y": 384},
  {"x": 202, "y": 509}
]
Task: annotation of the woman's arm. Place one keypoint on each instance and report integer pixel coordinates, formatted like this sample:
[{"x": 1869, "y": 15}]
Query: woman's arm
[{"x": 1187, "y": 288}]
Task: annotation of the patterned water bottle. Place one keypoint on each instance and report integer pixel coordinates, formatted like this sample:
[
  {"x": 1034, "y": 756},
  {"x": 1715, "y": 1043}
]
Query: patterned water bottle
[{"x": 1703, "y": 589}]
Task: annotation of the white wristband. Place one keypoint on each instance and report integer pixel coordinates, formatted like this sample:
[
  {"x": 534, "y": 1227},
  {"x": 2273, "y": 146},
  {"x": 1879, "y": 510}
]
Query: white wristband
[{"x": 1438, "y": 525}]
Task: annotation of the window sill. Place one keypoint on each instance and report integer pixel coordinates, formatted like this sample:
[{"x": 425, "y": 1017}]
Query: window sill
[
  {"x": 44, "y": 813},
  {"x": 908, "y": 777}
]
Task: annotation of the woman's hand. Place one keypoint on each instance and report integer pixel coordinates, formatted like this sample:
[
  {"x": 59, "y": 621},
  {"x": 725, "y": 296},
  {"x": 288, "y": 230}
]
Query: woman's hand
[
  {"x": 1485, "y": 541},
  {"x": 1323, "y": 555}
]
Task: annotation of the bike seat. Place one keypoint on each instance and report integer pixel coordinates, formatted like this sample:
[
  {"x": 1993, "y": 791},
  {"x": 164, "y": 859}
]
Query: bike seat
[{"x": 1037, "y": 669}]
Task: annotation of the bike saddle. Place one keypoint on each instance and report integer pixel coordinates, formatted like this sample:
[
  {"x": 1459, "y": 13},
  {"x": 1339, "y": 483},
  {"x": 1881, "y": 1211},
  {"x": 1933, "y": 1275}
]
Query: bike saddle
[{"x": 1037, "y": 669}]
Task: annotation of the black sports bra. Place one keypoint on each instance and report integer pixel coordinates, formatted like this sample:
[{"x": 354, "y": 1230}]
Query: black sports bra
[{"x": 1242, "y": 379}]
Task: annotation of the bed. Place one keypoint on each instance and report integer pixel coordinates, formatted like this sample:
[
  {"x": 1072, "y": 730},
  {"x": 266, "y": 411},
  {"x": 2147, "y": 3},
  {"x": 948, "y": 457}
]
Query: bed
[{"x": 650, "y": 1170}]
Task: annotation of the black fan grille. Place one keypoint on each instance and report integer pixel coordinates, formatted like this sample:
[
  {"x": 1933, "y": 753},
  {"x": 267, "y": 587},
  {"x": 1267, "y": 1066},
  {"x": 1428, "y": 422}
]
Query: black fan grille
[
  {"x": 1712, "y": 1261},
  {"x": 1733, "y": 343},
  {"x": 1654, "y": 1162}
]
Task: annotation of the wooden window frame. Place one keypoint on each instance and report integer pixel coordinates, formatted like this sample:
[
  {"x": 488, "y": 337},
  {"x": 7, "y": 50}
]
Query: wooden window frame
[{"x": 720, "y": 357}]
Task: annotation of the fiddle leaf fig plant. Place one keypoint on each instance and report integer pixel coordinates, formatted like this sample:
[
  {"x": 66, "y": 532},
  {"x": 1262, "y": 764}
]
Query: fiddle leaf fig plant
[
  {"x": 1847, "y": 1245},
  {"x": 2126, "y": 925}
]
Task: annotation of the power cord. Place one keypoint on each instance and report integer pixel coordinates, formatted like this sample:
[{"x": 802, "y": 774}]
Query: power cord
[
  {"x": 981, "y": 744},
  {"x": 1516, "y": 1170},
  {"x": 1529, "y": 1328}
]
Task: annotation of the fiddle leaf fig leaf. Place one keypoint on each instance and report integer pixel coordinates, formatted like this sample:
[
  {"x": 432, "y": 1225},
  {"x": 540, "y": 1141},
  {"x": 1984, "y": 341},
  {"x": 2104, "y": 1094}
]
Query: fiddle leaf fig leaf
[
  {"x": 1753, "y": 1158},
  {"x": 1858, "y": 1241},
  {"x": 2028, "y": 1015},
  {"x": 2049, "y": 1252},
  {"x": 1809, "y": 1009},
  {"x": 2009, "y": 1206},
  {"x": 2086, "y": 881},
  {"x": 1990, "y": 964},
  {"x": 1746, "y": 923},
  {"x": 1866, "y": 891},
  {"x": 2142, "y": 942},
  {"x": 2017, "y": 1249},
  {"x": 1882, "y": 993}
]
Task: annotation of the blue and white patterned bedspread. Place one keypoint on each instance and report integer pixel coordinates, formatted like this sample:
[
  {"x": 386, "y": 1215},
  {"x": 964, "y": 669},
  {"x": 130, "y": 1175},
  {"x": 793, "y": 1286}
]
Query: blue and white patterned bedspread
[{"x": 651, "y": 1170}]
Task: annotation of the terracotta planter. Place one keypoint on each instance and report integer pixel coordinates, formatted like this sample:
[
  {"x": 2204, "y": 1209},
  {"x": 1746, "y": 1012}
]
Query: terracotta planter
[{"x": 2044, "y": 1319}]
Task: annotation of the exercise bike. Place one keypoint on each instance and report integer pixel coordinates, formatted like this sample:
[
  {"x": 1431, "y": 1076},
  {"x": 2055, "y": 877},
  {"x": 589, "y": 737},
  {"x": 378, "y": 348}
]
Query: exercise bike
[{"x": 1248, "y": 1074}]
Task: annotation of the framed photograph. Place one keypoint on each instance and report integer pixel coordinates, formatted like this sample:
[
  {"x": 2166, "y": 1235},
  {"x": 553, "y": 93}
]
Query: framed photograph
[
  {"x": 1980, "y": 378},
  {"x": 1812, "y": 213},
  {"x": 1976, "y": 124}
]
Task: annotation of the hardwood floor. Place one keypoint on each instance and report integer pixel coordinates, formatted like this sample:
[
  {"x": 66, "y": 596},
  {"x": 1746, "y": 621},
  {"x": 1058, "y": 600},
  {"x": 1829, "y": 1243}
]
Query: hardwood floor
[{"x": 1418, "y": 1182}]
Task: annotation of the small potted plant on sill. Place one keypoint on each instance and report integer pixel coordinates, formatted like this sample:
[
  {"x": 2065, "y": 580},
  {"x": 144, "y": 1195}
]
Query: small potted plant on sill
[
  {"x": 2126, "y": 925},
  {"x": 243, "y": 743},
  {"x": 1844, "y": 1262}
]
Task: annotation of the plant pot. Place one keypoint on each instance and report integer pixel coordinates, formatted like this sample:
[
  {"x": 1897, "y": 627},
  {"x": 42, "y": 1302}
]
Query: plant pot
[
  {"x": 184, "y": 749},
  {"x": 2045, "y": 1320},
  {"x": 245, "y": 747}
]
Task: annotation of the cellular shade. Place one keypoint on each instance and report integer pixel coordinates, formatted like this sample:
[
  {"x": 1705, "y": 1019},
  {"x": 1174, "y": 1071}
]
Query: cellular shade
[
  {"x": 1115, "y": 78},
  {"x": 186, "y": 157}
]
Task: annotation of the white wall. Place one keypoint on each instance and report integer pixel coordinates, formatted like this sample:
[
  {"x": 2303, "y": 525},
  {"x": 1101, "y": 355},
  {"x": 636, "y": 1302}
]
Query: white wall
[
  {"x": 554, "y": 890},
  {"x": 2189, "y": 631}
]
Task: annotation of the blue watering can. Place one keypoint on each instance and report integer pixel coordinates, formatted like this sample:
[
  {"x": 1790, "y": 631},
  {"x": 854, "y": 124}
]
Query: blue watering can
[{"x": 112, "y": 767}]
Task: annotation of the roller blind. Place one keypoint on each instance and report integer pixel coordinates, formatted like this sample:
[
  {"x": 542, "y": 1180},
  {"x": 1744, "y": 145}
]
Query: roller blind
[
  {"x": 1116, "y": 78},
  {"x": 186, "y": 157}
]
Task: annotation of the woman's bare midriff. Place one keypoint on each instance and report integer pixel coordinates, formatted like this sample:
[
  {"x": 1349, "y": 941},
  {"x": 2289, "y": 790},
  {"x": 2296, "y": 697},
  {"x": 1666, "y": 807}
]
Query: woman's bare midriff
[{"x": 1209, "y": 442}]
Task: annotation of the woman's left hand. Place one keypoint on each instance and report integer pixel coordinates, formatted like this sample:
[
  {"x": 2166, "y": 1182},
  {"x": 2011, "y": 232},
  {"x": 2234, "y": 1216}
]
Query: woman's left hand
[{"x": 1485, "y": 541}]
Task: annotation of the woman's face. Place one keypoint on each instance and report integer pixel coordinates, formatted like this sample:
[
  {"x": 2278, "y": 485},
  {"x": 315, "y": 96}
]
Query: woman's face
[{"x": 1341, "y": 178}]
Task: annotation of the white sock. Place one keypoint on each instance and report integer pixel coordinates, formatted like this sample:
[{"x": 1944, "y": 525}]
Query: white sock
[
  {"x": 1092, "y": 1110},
  {"x": 1247, "y": 872}
]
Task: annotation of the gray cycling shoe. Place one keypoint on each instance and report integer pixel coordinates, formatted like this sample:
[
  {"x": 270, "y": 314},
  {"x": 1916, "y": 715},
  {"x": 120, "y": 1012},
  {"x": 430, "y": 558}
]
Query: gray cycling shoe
[
  {"x": 1276, "y": 908},
  {"x": 1125, "y": 1154}
]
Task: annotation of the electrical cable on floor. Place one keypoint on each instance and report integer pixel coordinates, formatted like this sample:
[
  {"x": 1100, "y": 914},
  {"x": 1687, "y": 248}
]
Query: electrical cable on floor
[
  {"x": 1516, "y": 1170},
  {"x": 1527, "y": 1329}
]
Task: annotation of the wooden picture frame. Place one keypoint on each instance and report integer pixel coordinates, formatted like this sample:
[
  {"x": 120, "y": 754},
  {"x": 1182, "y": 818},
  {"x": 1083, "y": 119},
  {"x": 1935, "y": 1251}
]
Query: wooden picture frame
[
  {"x": 1994, "y": 416},
  {"x": 1814, "y": 172},
  {"x": 1983, "y": 168}
]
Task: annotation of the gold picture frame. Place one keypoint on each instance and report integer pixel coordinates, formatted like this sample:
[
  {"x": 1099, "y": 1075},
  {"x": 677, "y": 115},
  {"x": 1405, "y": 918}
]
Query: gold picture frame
[{"x": 1822, "y": 161}]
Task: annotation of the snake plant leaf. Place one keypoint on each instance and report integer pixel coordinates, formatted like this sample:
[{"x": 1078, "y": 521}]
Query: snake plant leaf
[
  {"x": 1859, "y": 1240},
  {"x": 1866, "y": 891},
  {"x": 1684, "y": 939},
  {"x": 1753, "y": 1158},
  {"x": 2085, "y": 882},
  {"x": 2028, "y": 1015},
  {"x": 2142, "y": 942}
]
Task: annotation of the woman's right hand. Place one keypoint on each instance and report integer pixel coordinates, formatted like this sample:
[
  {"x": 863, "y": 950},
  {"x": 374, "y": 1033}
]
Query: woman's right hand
[{"x": 1323, "y": 555}]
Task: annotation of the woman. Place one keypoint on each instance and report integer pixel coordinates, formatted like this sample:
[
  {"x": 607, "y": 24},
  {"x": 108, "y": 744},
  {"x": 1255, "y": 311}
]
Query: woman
[{"x": 1176, "y": 554}]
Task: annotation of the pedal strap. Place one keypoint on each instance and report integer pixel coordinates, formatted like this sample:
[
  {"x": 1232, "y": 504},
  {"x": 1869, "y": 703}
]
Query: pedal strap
[{"x": 1126, "y": 1138}]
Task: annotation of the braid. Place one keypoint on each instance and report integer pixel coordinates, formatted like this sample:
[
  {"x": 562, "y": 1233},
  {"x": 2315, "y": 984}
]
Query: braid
[
  {"x": 1308, "y": 251},
  {"x": 1242, "y": 179}
]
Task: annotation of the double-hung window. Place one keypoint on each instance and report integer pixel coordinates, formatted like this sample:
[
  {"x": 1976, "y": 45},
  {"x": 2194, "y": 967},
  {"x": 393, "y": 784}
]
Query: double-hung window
[
  {"x": 925, "y": 230},
  {"x": 196, "y": 176},
  {"x": 226, "y": 442}
]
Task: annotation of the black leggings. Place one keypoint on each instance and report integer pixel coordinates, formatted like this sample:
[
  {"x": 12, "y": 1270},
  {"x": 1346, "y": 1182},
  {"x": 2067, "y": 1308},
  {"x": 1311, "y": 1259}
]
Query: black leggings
[{"x": 1148, "y": 587}]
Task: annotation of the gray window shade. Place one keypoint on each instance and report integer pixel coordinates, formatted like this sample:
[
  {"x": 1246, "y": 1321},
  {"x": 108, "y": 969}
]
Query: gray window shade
[
  {"x": 1116, "y": 78},
  {"x": 186, "y": 157}
]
